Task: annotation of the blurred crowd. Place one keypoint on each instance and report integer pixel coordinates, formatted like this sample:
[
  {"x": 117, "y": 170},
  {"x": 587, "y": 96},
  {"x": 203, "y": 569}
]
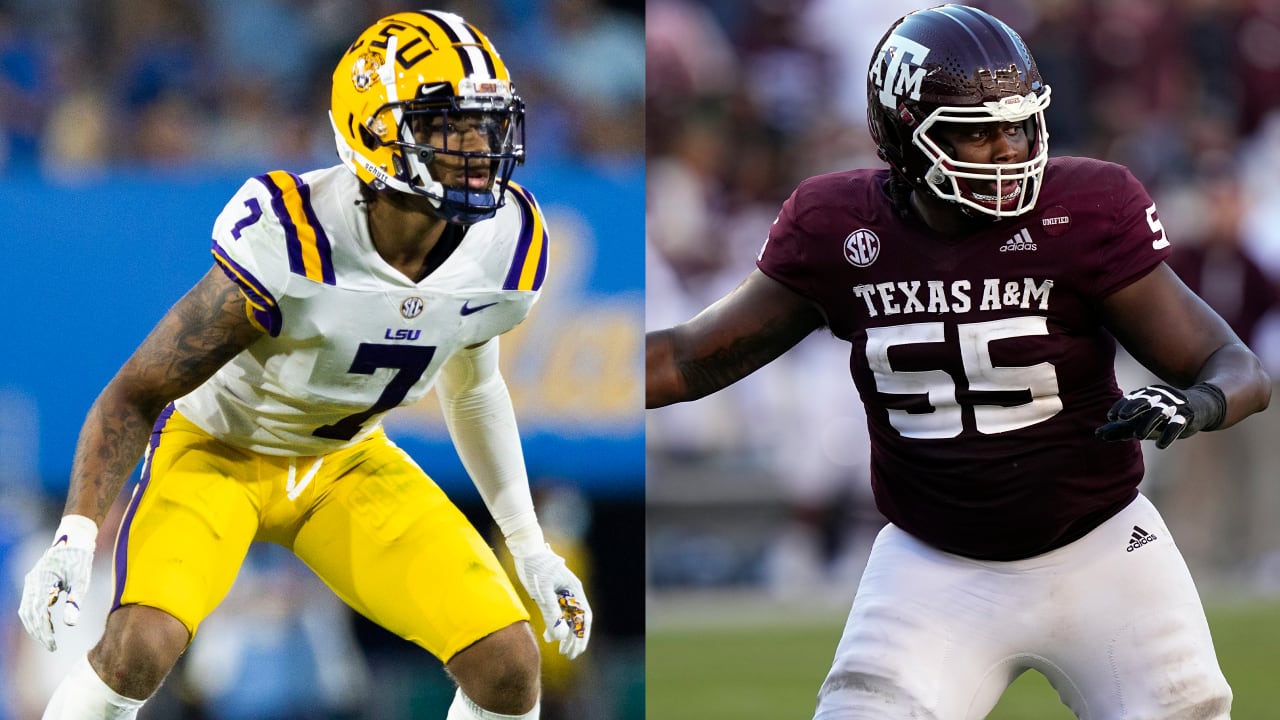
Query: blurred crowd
[
  {"x": 745, "y": 99},
  {"x": 164, "y": 84}
]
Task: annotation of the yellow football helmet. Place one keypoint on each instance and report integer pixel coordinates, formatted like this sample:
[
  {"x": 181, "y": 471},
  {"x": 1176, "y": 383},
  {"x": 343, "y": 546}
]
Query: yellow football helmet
[{"x": 423, "y": 104}]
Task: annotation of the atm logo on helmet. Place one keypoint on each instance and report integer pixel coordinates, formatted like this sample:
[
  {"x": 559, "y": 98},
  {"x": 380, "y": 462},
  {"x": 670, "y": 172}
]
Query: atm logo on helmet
[{"x": 897, "y": 70}]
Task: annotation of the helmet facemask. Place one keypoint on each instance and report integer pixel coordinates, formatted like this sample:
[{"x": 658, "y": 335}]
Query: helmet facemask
[
  {"x": 1016, "y": 186},
  {"x": 435, "y": 129}
]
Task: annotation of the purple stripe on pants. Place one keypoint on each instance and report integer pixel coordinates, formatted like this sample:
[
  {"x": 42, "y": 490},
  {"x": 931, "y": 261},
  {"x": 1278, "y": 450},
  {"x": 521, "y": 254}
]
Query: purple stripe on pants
[{"x": 122, "y": 539}]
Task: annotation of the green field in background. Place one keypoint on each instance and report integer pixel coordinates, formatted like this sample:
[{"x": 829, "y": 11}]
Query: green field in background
[{"x": 761, "y": 670}]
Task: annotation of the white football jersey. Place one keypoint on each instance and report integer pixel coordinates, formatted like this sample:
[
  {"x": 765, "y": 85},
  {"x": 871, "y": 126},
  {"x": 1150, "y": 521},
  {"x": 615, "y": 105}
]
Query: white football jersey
[{"x": 349, "y": 337}]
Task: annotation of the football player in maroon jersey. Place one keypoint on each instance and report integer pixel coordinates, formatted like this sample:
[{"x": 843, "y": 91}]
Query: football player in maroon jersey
[{"x": 982, "y": 287}]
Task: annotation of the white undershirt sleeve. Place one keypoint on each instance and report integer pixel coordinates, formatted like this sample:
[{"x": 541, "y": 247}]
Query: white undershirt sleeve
[{"x": 482, "y": 423}]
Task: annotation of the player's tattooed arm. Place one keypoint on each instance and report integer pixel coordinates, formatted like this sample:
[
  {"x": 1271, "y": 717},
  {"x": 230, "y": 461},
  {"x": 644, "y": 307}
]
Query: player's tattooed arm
[
  {"x": 198, "y": 335},
  {"x": 737, "y": 335}
]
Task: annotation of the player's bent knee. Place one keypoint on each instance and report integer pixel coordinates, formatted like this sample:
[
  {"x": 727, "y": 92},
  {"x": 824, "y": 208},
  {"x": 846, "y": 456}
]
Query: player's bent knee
[
  {"x": 138, "y": 649},
  {"x": 1198, "y": 698},
  {"x": 500, "y": 672},
  {"x": 1216, "y": 707},
  {"x": 849, "y": 695}
]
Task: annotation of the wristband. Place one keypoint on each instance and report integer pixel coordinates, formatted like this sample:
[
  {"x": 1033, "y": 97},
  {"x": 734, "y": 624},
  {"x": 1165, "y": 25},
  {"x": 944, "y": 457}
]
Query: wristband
[
  {"x": 1209, "y": 404},
  {"x": 76, "y": 531}
]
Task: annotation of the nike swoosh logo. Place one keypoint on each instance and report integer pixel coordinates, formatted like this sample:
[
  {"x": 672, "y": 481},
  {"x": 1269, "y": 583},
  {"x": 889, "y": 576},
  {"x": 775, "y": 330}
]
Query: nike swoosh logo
[{"x": 467, "y": 309}]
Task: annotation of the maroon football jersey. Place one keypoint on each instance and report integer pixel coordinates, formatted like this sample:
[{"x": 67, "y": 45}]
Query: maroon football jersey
[{"x": 980, "y": 359}]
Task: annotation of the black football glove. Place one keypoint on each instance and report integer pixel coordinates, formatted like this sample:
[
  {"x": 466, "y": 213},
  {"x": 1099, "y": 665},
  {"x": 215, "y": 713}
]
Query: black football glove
[{"x": 1164, "y": 414}]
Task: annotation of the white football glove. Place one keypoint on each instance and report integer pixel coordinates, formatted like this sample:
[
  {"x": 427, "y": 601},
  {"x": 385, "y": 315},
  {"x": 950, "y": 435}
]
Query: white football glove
[
  {"x": 64, "y": 568},
  {"x": 558, "y": 594}
]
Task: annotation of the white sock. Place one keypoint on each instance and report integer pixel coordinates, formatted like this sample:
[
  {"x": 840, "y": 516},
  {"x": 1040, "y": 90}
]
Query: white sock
[
  {"x": 464, "y": 708},
  {"x": 83, "y": 696}
]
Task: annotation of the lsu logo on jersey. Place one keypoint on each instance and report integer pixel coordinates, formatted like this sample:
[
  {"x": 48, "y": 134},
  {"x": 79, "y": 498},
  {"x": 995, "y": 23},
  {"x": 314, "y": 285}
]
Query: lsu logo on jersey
[{"x": 897, "y": 71}]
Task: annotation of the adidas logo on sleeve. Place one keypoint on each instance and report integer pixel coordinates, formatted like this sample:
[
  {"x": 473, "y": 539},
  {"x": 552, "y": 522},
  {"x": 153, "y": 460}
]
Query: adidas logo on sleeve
[{"x": 1139, "y": 538}]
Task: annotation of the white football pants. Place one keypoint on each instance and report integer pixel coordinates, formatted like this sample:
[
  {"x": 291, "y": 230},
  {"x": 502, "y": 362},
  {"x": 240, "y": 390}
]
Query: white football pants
[{"x": 1112, "y": 620}]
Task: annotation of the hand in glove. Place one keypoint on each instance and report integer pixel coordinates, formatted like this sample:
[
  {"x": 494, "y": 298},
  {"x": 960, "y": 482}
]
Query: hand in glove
[
  {"x": 558, "y": 594},
  {"x": 1164, "y": 414},
  {"x": 64, "y": 568}
]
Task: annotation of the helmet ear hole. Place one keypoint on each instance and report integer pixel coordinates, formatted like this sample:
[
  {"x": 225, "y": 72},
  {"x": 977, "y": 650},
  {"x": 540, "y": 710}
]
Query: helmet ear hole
[{"x": 366, "y": 137}]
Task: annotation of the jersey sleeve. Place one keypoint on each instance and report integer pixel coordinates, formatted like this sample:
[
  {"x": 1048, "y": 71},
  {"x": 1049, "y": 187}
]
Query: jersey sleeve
[
  {"x": 266, "y": 234},
  {"x": 1136, "y": 243},
  {"x": 528, "y": 267},
  {"x": 784, "y": 254},
  {"x": 506, "y": 261}
]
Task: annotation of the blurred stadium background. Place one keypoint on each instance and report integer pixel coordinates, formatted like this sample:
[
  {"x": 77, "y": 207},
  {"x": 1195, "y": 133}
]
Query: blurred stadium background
[
  {"x": 759, "y": 515},
  {"x": 125, "y": 125}
]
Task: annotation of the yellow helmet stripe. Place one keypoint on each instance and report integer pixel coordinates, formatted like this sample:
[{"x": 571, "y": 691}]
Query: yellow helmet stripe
[{"x": 310, "y": 254}]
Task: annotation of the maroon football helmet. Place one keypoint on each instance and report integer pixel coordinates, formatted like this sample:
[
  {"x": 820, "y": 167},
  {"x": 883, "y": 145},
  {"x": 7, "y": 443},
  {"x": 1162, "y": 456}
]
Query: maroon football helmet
[{"x": 957, "y": 64}]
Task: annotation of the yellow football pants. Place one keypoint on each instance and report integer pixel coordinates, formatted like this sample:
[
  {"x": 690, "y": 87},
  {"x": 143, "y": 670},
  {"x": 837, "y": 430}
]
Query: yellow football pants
[{"x": 366, "y": 519}]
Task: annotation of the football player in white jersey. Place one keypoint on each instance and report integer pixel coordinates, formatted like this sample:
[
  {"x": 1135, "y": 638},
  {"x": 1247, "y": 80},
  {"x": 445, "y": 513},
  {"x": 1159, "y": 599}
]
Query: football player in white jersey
[{"x": 336, "y": 295}]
